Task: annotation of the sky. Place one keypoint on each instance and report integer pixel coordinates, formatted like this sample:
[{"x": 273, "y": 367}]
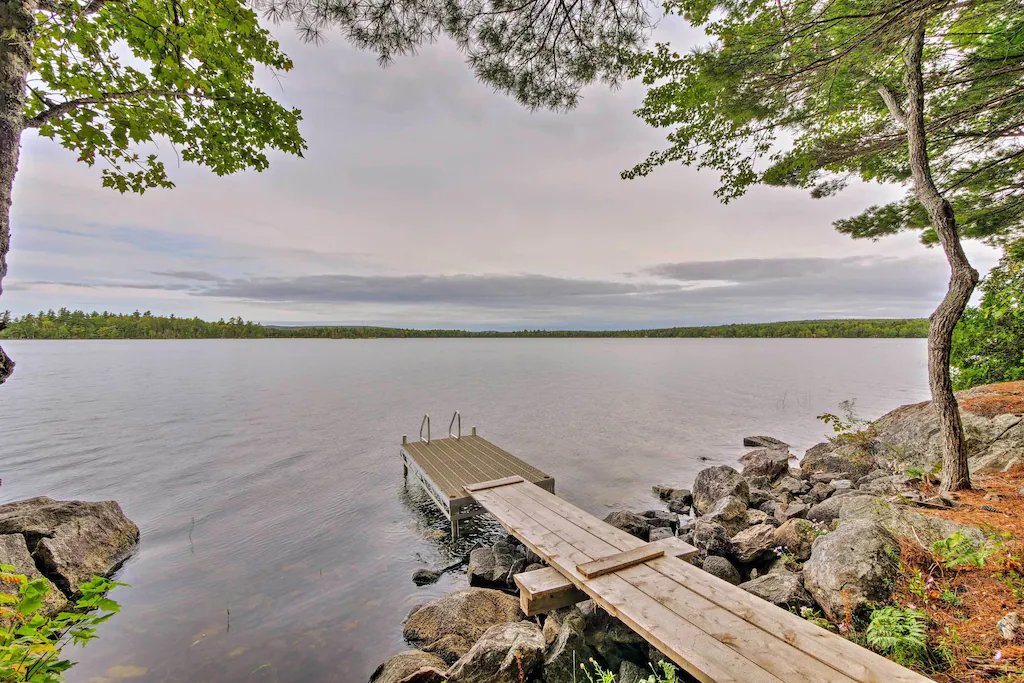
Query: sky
[{"x": 425, "y": 199}]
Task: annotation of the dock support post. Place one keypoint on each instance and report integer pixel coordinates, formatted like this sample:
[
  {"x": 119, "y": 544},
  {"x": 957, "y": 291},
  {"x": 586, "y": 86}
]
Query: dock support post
[{"x": 474, "y": 431}]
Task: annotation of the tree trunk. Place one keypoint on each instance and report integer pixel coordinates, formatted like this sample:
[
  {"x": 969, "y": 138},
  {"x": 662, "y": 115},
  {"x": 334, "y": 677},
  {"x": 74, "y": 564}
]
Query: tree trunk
[
  {"x": 963, "y": 278},
  {"x": 17, "y": 25}
]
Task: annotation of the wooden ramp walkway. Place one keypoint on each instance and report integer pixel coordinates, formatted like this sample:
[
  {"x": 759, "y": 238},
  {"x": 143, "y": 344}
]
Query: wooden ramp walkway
[
  {"x": 444, "y": 467},
  {"x": 712, "y": 629}
]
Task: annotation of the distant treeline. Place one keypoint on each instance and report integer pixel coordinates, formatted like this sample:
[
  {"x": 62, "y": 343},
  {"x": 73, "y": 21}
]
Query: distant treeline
[{"x": 65, "y": 324}]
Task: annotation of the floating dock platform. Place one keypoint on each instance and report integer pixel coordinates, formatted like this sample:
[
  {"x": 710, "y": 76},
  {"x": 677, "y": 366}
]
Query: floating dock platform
[{"x": 445, "y": 467}]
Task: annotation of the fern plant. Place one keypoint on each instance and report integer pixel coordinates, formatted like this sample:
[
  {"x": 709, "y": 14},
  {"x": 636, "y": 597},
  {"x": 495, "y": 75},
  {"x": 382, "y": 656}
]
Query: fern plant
[
  {"x": 898, "y": 633},
  {"x": 960, "y": 551}
]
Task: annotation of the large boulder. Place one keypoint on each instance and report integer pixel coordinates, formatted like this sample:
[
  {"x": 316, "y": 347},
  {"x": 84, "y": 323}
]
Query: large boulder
[
  {"x": 568, "y": 650},
  {"x": 853, "y": 566},
  {"x": 449, "y": 625},
  {"x": 904, "y": 521},
  {"x": 730, "y": 512},
  {"x": 765, "y": 462},
  {"x": 993, "y": 419},
  {"x": 828, "y": 510},
  {"x": 14, "y": 553},
  {"x": 754, "y": 544},
  {"x": 855, "y": 460},
  {"x": 409, "y": 666},
  {"x": 494, "y": 567},
  {"x": 506, "y": 653},
  {"x": 71, "y": 541},
  {"x": 782, "y": 588},
  {"x": 631, "y": 523},
  {"x": 715, "y": 483}
]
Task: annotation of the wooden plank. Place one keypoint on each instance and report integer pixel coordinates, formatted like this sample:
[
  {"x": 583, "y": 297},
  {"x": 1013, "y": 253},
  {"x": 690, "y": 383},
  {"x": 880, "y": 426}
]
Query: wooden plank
[
  {"x": 710, "y": 660},
  {"x": 544, "y": 590},
  {"x": 620, "y": 560},
  {"x": 827, "y": 647},
  {"x": 761, "y": 649},
  {"x": 494, "y": 483}
]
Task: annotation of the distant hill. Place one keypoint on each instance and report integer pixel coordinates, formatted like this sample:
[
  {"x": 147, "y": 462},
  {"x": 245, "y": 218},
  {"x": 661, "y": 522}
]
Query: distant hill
[{"x": 65, "y": 324}]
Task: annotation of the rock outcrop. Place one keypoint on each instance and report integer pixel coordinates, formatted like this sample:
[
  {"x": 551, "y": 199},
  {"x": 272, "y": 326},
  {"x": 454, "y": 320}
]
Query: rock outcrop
[
  {"x": 765, "y": 462},
  {"x": 993, "y": 418},
  {"x": 853, "y": 566},
  {"x": 68, "y": 542},
  {"x": 450, "y": 625}
]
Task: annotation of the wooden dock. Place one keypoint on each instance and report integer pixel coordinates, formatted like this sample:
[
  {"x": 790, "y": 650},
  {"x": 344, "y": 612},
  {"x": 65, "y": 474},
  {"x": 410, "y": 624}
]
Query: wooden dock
[
  {"x": 446, "y": 467},
  {"x": 714, "y": 630}
]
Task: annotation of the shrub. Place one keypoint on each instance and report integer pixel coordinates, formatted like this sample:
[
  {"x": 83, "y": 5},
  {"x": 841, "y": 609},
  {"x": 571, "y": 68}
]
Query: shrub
[{"x": 30, "y": 643}]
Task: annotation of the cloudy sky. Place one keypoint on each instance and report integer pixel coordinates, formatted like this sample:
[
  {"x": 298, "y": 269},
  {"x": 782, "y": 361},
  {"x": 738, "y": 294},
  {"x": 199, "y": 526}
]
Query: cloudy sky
[{"x": 425, "y": 199}]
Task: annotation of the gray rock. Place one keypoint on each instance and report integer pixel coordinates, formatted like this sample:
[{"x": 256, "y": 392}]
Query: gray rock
[
  {"x": 533, "y": 567},
  {"x": 499, "y": 654},
  {"x": 613, "y": 641},
  {"x": 661, "y": 518},
  {"x": 831, "y": 457},
  {"x": 755, "y": 517},
  {"x": 828, "y": 510},
  {"x": 71, "y": 541},
  {"x": 660, "y": 533},
  {"x": 792, "y": 511},
  {"x": 820, "y": 492},
  {"x": 679, "y": 507},
  {"x": 719, "y": 566},
  {"x": 765, "y": 463},
  {"x": 853, "y": 566},
  {"x": 828, "y": 477},
  {"x": 759, "y": 496},
  {"x": 782, "y": 588},
  {"x": 993, "y": 420},
  {"x": 886, "y": 486},
  {"x": 449, "y": 625},
  {"x": 631, "y": 673},
  {"x": 1011, "y": 627},
  {"x": 567, "y": 651},
  {"x": 730, "y": 512},
  {"x": 715, "y": 483},
  {"x": 871, "y": 476},
  {"x": 903, "y": 521},
  {"x": 754, "y": 544},
  {"x": 792, "y": 485},
  {"x": 494, "y": 567},
  {"x": 680, "y": 497},
  {"x": 423, "y": 577},
  {"x": 631, "y": 523},
  {"x": 842, "y": 484},
  {"x": 14, "y": 553},
  {"x": 404, "y": 665},
  {"x": 662, "y": 491},
  {"x": 796, "y": 537},
  {"x": 765, "y": 442}
]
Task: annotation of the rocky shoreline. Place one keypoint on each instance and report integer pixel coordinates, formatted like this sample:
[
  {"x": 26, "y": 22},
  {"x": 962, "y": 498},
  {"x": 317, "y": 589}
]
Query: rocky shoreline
[{"x": 821, "y": 537}]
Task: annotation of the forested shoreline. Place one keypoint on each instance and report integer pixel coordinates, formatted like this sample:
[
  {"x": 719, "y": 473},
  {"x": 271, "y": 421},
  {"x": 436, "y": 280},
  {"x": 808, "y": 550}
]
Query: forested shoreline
[{"x": 66, "y": 324}]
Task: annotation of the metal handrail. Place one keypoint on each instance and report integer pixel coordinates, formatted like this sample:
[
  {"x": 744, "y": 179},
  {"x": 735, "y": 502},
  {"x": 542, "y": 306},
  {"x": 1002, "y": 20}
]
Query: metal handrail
[
  {"x": 455, "y": 417},
  {"x": 426, "y": 421}
]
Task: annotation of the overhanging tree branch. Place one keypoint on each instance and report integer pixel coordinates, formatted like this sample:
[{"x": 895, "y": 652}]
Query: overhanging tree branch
[{"x": 63, "y": 108}]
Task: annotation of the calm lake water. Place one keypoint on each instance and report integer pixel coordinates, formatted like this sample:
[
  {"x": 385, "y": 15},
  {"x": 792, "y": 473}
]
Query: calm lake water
[{"x": 265, "y": 475}]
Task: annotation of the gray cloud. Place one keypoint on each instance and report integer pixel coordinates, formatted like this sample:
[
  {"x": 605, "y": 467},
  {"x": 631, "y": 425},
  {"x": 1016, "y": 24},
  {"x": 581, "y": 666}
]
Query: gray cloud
[
  {"x": 198, "y": 275},
  {"x": 754, "y": 270}
]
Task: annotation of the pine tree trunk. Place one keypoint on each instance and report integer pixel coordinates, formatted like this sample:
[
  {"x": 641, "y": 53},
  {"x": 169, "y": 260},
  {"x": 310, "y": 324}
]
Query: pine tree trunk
[
  {"x": 17, "y": 25},
  {"x": 963, "y": 278}
]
